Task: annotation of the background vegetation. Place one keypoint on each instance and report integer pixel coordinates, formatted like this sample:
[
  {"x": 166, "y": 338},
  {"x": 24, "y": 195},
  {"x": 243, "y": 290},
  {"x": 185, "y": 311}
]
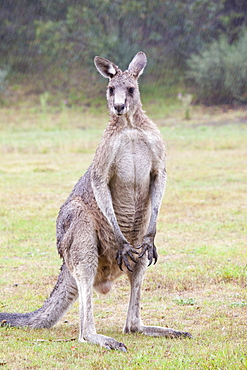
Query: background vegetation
[{"x": 48, "y": 42}]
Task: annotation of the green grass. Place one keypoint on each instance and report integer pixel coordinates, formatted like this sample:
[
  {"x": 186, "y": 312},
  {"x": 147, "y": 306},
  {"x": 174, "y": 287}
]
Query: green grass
[{"x": 199, "y": 282}]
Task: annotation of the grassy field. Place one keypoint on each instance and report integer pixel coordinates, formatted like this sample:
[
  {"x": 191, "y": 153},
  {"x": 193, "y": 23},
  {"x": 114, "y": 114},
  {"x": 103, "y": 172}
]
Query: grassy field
[{"x": 199, "y": 283}]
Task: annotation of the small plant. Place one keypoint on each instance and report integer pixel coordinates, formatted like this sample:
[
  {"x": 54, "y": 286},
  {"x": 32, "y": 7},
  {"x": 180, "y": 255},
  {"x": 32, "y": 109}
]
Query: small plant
[
  {"x": 184, "y": 302},
  {"x": 230, "y": 273},
  {"x": 239, "y": 304},
  {"x": 186, "y": 101},
  {"x": 43, "y": 98},
  {"x": 3, "y": 74}
]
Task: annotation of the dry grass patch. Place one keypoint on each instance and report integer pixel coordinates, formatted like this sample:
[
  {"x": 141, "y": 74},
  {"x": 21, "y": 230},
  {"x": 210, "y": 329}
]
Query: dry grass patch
[{"x": 199, "y": 282}]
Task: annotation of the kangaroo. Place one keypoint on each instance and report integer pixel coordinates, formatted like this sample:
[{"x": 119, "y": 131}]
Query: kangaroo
[{"x": 107, "y": 225}]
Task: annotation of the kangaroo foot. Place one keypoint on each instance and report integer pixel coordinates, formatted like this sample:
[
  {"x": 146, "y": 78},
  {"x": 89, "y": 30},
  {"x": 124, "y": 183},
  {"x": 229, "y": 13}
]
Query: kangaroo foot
[
  {"x": 104, "y": 341},
  {"x": 158, "y": 331}
]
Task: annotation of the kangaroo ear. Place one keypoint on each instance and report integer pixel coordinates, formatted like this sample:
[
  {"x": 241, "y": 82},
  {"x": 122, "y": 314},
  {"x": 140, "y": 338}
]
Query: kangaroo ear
[
  {"x": 105, "y": 67},
  {"x": 138, "y": 64}
]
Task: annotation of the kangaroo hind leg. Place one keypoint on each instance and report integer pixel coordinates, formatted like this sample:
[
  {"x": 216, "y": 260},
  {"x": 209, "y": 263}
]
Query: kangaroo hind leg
[
  {"x": 133, "y": 322},
  {"x": 83, "y": 262}
]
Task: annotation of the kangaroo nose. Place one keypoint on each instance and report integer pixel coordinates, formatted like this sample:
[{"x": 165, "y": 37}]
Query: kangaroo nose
[{"x": 119, "y": 108}]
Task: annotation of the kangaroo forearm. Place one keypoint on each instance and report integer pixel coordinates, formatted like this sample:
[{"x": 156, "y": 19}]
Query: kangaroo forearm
[
  {"x": 157, "y": 188},
  {"x": 104, "y": 201}
]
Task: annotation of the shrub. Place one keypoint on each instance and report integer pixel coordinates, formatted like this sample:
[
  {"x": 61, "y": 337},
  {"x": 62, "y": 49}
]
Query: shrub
[
  {"x": 219, "y": 72},
  {"x": 236, "y": 69}
]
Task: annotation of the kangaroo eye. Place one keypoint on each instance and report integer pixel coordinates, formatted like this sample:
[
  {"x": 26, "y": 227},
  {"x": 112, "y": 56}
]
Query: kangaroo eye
[
  {"x": 131, "y": 90},
  {"x": 111, "y": 90}
]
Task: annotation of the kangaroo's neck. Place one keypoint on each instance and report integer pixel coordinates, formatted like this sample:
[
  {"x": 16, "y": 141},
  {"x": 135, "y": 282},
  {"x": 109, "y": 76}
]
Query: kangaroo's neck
[{"x": 135, "y": 119}]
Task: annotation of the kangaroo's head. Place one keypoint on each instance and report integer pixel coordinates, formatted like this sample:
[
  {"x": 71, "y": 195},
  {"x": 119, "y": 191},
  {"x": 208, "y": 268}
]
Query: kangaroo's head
[{"x": 123, "y": 94}]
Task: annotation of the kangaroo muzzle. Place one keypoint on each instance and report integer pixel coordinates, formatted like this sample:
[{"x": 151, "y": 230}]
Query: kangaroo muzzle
[{"x": 119, "y": 108}]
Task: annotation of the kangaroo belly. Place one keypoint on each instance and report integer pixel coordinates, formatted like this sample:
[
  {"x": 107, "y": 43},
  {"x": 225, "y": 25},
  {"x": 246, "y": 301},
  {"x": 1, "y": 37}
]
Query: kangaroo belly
[{"x": 130, "y": 186}]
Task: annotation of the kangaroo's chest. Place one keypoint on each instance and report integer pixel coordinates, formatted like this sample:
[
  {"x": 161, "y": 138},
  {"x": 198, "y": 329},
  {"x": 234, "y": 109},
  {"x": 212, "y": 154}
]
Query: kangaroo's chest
[{"x": 133, "y": 161}]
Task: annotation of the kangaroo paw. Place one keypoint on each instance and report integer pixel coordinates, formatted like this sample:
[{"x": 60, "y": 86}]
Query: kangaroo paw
[
  {"x": 149, "y": 247},
  {"x": 124, "y": 254}
]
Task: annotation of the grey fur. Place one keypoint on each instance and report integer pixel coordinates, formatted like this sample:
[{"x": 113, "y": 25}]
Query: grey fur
[{"x": 108, "y": 224}]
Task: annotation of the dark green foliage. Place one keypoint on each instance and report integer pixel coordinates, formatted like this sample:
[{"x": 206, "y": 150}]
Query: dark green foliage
[
  {"x": 67, "y": 31},
  {"x": 40, "y": 35},
  {"x": 233, "y": 18},
  {"x": 220, "y": 71},
  {"x": 169, "y": 30}
]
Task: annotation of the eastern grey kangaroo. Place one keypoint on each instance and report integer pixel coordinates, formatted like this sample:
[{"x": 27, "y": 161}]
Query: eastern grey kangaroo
[{"x": 107, "y": 225}]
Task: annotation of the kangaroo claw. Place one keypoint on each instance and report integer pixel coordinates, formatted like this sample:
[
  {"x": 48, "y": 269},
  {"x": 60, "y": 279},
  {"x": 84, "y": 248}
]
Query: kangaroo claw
[
  {"x": 123, "y": 256},
  {"x": 151, "y": 250}
]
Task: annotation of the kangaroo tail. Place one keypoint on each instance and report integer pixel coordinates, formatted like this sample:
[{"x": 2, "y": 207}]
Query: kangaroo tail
[{"x": 63, "y": 295}]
